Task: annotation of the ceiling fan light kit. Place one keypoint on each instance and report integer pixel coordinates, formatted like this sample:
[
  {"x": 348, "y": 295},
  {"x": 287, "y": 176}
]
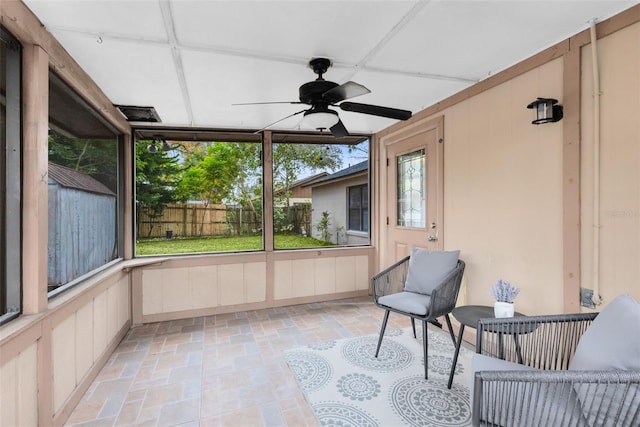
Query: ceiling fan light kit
[
  {"x": 321, "y": 94},
  {"x": 319, "y": 120}
]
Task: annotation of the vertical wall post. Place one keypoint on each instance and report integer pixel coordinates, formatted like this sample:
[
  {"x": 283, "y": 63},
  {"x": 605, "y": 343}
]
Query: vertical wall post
[
  {"x": 35, "y": 204},
  {"x": 571, "y": 180}
]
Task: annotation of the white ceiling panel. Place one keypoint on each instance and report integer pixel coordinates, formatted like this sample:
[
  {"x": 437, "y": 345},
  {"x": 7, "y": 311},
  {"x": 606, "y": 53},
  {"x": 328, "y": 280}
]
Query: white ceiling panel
[
  {"x": 192, "y": 60},
  {"x": 130, "y": 73},
  {"x": 216, "y": 82},
  {"x": 344, "y": 31},
  {"x": 473, "y": 39},
  {"x": 134, "y": 19}
]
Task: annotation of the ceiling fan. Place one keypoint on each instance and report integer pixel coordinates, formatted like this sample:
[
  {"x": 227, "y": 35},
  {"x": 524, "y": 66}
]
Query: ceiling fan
[{"x": 321, "y": 94}]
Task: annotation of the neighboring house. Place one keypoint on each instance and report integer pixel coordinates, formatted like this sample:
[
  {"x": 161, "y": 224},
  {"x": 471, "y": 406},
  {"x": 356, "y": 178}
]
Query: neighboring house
[
  {"x": 345, "y": 196},
  {"x": 78, "y": 202},
  {"x": 299, "y": 192}
]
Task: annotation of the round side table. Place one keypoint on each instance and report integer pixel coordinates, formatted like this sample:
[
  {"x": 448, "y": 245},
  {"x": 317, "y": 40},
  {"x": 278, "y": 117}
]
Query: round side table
[{"x": 468, "y": 315}]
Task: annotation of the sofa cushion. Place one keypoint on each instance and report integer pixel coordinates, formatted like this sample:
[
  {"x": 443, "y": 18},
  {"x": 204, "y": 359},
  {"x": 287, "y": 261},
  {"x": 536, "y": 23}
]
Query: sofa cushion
[
  {"x": 409, "y": 302},
  {"x": 427, "y": 269},
  {"x": 611, "y": 342}
]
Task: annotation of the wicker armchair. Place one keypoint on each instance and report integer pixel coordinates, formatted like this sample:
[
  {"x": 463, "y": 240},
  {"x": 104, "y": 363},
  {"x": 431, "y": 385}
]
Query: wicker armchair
[
  {"x": 439, "y": 303},
  {"x": 538, "y": 389}
]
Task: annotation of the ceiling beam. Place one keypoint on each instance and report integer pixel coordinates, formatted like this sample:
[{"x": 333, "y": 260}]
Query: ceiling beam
[
  {"x": 408, "y": 17},
  {"x": 167, "y": 17}
]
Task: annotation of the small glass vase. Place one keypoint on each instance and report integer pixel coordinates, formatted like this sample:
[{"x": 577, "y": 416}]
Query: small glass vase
[{"x": 503, "y": 309}]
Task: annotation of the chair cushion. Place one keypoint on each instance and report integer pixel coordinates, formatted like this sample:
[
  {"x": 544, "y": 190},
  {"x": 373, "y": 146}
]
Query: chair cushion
[
  {"x": 409, "y": 302},
  {"x": 427, "y": 269},
  {"x": 611, "y": 342}
]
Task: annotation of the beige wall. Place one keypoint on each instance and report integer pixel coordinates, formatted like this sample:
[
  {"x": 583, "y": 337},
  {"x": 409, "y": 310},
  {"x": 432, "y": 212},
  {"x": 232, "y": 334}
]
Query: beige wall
[
  {"x": 503, "y": 191},
  {"x": 515, "y": 192},
  {"x": 49, "y": 360},
  {"x": 321, "y": 276},
  {"x": 184, "y": 287},
  {"x": 619, "y": 207}
]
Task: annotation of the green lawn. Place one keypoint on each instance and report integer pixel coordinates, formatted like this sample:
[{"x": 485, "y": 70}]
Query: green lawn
[{"x": 223, "y": 244}]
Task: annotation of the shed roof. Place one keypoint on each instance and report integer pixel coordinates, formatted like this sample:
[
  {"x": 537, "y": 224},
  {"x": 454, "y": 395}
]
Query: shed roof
[
  {"x": 351, "y": 170},
  {"x": 70, "y": 178}
]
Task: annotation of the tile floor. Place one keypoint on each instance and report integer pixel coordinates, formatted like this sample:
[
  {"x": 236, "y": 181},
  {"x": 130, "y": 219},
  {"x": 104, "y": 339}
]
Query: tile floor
[{"x": 222, "y": 370}]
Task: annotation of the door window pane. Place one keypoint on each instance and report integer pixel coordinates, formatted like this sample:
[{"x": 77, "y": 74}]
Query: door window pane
[{"x": 411, "y": 169}]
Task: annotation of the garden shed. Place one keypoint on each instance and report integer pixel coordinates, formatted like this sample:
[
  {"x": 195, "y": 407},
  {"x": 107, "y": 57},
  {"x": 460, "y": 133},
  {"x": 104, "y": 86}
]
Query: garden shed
[{"x": 78, "y": 202}]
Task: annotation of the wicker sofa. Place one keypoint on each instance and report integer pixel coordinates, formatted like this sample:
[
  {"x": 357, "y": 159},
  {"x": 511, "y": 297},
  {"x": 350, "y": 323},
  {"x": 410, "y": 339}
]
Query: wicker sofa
[{"x": 559, "y": 370}]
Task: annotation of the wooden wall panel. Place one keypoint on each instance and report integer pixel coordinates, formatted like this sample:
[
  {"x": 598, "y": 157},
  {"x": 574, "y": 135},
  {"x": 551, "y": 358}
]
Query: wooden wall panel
[
  {"x": 63, "y": 338},
  {"x": 282, "y": 273},
  {"x": 19, "y": 396},
  {"x": 255, "y": 282},
  {"x": 303, "y": 274}
]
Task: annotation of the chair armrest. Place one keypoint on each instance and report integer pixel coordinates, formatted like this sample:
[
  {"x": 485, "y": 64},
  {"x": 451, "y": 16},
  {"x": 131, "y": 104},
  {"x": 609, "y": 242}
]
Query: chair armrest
[
  {"x": 559, "y": 398},
  {"x": 445, "y": 295},
  {"x": 544, "y": 342},
  {"x": 391, "y": 280}
]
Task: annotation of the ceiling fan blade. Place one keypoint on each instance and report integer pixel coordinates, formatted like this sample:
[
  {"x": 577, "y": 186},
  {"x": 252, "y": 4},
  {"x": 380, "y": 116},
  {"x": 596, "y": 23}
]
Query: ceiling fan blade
[
  {"x": 265, "y": 103},
  {"x": 278, "y": 121},
  {"x": 375, "y": 110},
  {"x": 338, "y": 130},
  {"x": 345, "y": 91}
]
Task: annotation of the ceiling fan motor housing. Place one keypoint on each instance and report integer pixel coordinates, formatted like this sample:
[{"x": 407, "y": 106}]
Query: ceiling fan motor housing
[{"x": 311, "y": 92}]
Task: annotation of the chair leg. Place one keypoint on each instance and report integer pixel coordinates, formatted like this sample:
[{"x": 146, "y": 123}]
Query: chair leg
[
  {"x": 413, "y": 325},
  {"x": 384, "y": 326},
  {"x": 453, "y": 337},
  {"x": 425, "y": 349}
]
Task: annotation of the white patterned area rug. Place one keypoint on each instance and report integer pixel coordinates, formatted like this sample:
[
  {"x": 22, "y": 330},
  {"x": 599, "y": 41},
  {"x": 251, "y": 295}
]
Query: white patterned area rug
[{"x": 346, "y": 386}]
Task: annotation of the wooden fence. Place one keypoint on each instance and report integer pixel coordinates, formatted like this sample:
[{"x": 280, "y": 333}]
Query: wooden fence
[{"x": 198, "y": 220}]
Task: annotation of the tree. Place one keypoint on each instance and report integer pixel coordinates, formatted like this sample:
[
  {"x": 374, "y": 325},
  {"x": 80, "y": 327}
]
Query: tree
[
  {"x": 157, "y": 177},
  {"x": 96, "y": 158},
  {"x": 290, "y": 160},
  {"x": 211, "y": 174}
]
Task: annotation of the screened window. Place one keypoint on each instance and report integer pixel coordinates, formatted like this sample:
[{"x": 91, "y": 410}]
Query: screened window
[
  {"x": 312, "y": 203},
  {"x": 198, "y": 197},
  {"x": 84, "y": 189},
  {"x": 359, "y": 208},
  {"x": 10, "y": 177}
]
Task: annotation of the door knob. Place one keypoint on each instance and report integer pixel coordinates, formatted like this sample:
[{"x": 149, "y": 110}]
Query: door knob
[{"x": 432, "y": 238}]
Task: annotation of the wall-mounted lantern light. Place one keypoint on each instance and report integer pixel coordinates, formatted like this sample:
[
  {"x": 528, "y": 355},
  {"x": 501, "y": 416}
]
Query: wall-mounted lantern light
[{"x": 547, "y": 110}]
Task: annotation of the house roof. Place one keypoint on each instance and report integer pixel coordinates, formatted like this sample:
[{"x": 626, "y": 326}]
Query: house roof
[
  {"x": 341, "y": 174},
  {"x": 70, "y": 178},
  {"x": 304, "y": 181},
  {"x": 192, "y": 60}
]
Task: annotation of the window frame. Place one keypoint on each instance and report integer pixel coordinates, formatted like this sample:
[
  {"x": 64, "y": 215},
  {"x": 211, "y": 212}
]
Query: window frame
[
  {"x": 88, "y": 113},
  {"x": 364, "y": 191},
  {"x": 12, "y": 182}
]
